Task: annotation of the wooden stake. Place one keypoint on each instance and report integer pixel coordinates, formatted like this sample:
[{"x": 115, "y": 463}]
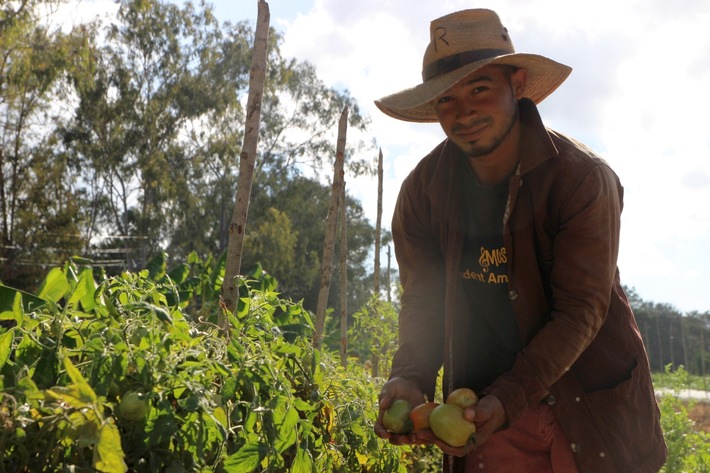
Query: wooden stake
[
  {"x": 378, "y": 225},
  {"x": 343, "y": 282},
  {"x": 247, "y": 162},
  {"x": 330, "y": 223}
]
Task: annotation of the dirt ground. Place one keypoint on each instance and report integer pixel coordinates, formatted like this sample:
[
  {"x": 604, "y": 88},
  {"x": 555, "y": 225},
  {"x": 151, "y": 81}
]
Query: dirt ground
[{"x": 700, "y": 414}]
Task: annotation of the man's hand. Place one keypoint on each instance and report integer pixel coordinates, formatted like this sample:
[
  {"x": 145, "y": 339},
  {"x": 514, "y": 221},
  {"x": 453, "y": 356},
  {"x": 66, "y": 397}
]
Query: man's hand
[
  {"x": 397, "y": 388},
  {"x": 489, "y": 417}
]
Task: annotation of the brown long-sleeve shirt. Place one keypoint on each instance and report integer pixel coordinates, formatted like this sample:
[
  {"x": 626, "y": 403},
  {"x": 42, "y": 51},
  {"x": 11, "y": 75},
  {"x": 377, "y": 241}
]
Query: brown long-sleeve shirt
[{"x": 583, "y": 353}]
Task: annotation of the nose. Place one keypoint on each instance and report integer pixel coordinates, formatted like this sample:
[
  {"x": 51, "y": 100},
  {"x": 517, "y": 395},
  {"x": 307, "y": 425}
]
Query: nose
[{"x": 467, "y": 109}]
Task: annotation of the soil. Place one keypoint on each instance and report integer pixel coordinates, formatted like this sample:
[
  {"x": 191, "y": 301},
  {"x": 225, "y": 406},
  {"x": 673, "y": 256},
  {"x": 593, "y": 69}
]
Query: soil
[{"x": 700, "y": 414}]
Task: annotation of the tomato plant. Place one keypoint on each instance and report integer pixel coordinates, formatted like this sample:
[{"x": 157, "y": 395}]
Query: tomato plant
[{"x": 131, "y": 373}]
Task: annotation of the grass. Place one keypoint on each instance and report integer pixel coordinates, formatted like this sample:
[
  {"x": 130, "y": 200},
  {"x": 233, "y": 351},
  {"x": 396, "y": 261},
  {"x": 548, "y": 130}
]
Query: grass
[{"x": 669, "y": 380}]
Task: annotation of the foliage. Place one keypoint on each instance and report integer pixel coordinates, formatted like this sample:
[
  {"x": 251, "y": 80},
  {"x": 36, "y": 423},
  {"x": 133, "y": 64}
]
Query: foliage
[
  {"x": 668, "y": 380},
  {"x": 37, "y": 202},
  {"x": 373, "y": 336},
  {"x": 672, "y": 337},
  {"x": 688, "y": 449},
  {"x": 76, "y": 369},
  {"x": 139, "y": 153},
  {"x": 300, "y": 279}
]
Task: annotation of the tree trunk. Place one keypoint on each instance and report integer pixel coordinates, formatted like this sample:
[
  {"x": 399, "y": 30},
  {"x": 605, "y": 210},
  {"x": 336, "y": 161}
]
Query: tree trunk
[
  {"x": 247, "y": 161},
  {"x": 661, "y": 360},
  {"x": 389, "y": 273},
  {"x": 684, "y": 342},
  {"x": 702, "y": 352},
  {"x": 646, "y": 336},
  {"x": 671, "y": 346},
  {"x": 330, "y": 223},
  {"x": 343, "y": 283},
  {"x": 378, "y": 225}
]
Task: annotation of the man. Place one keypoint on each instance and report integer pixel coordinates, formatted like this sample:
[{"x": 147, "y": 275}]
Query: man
[{"x": 507, "y": 237}]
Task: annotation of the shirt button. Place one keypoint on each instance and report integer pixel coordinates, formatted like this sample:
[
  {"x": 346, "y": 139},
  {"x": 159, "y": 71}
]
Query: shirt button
[
  {"x": 512, "y": 295},
  {"x": 576, "y": 448}
]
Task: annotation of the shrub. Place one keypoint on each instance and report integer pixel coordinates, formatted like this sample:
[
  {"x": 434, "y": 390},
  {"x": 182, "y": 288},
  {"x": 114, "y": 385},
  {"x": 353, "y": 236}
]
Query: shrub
[
  {"x": 132, "y": 374},
  {"x": 688, "y": 449}
]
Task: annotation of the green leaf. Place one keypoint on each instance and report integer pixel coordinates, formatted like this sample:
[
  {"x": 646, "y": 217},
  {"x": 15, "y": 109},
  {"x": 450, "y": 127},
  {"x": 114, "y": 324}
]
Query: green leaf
[
  {"x": 55, "y": 286},
  {"x": 285, "y": 418},
  {"x": 75, "y": 375},
  {"x": 217, "y": 276},
  {"x": 246, "y": 459},
  {"x": 160, "y": 429},
  {"x": 10, "y": 300},
  {"x": 156, "y": 267},
  {"x": 108, "y": 454},
  {"x": 6, "y": 346},
  {"x": 179, "y": 274},
  {"x": 84, "y": 290},
  {"x": 79, "y": 394},
  {"x": 303, "y": 463},
  {"x": 302, "y": 405},
  {"x": 85, "y": 426}
]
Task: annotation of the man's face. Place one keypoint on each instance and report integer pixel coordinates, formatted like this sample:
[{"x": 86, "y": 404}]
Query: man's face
[{"x": 478, "y": 113}]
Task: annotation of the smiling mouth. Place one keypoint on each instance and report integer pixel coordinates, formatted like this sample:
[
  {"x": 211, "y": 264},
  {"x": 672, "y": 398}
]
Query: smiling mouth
[{"x": 471, "y": 133}]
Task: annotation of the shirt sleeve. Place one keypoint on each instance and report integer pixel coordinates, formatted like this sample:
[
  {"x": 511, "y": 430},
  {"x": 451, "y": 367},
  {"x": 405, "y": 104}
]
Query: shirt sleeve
[{"x": 421, "y": 266}]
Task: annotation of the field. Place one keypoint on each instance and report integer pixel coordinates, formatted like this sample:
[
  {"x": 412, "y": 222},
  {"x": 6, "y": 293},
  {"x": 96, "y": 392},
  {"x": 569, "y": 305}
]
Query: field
[{"x": 699, "y": 413}]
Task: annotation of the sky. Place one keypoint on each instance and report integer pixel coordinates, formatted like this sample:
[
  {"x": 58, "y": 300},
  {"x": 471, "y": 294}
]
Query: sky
[{"x": 638, "y": 96}]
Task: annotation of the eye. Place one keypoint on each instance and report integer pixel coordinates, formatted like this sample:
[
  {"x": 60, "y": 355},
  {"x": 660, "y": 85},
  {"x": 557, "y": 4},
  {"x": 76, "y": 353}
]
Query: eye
[
  {"x": 443, "y": 99},
  {"x": 479, "y": 89}
]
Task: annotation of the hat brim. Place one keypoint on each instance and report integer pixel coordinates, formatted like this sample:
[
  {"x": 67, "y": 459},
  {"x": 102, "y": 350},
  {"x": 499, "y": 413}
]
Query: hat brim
[{"x": 414, "y": 104}]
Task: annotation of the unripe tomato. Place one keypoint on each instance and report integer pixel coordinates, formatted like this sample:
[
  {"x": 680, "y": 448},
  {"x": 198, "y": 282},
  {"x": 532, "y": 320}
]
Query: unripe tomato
[
  {"x": 396, "y": 418},
  {"x": 420, "y": 415},
  {"x": 134, "y": 406},
  {"x": 462, "y": 397},
  {"x": 448, "y": 423}
]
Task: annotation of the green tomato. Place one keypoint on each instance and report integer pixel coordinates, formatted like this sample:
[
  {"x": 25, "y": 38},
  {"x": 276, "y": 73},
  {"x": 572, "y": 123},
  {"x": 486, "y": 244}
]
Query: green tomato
[
  {"x": 396, "y": 418},
  {"x": 134, "y": 406},
  {"x": 448, "y": 423}
]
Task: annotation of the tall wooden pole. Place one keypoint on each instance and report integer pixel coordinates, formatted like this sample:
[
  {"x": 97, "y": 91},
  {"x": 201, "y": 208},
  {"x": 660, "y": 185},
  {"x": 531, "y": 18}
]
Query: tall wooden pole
[
  {"x": 330, "y": 224},
  {"x": 247, "y": 161},
  {"x": 378, "y": 225},
  {"x": 389, "y": 273},
  {"x": 343, "y": 282}
]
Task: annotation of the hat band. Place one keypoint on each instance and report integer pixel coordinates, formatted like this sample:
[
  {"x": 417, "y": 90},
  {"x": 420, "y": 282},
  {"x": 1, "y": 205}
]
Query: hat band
[{"x": 450, "y": 63}]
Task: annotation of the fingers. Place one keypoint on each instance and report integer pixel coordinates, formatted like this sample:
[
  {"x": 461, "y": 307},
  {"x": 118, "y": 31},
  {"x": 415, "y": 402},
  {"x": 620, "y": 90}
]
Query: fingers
[
  {"x": 427, "y": 437},
  {"x": 394, "y": 439},
  {"x": 396, "y": 388},
  {"x": 381, "y": 432},
  {"x": 470, "y": 414}
]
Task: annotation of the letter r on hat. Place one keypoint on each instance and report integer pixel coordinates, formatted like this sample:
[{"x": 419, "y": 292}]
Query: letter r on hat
[{"x": 440, "y": 35}]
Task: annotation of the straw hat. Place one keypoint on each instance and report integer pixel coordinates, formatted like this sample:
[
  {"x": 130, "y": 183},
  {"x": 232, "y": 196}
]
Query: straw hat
[{"x": 461, "y": 43}]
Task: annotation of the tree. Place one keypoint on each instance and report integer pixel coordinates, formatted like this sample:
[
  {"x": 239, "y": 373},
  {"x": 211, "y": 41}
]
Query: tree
[
  {"x": 161, "y": 74},
  {"x": 38, "y": 204},
  {"x": 272, "y": 242},
  {"x": 148, "y": 129},
  {"x": 305, "y": 202}
]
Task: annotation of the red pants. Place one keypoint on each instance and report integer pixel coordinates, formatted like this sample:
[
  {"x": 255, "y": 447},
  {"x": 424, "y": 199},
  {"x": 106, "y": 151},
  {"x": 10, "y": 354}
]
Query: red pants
[{"x": 535, "y": 443}]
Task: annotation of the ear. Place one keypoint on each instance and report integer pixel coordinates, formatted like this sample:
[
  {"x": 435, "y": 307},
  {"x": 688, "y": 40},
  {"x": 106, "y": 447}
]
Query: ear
[{"x": 518, "y": 79}]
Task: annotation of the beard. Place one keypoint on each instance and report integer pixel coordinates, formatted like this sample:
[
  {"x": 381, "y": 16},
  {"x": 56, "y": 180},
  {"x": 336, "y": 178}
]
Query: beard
[{"x": 482, "y": 148}]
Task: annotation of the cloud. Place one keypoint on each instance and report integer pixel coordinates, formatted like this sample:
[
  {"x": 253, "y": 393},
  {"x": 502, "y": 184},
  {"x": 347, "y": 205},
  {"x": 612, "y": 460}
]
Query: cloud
[
  {"x": 637, "y": 96},
  {"x": 697, "y": 178}
]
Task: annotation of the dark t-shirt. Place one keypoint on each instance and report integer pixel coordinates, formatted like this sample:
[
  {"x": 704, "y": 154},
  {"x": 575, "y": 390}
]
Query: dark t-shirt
[{"x": 492, "y": 336}]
